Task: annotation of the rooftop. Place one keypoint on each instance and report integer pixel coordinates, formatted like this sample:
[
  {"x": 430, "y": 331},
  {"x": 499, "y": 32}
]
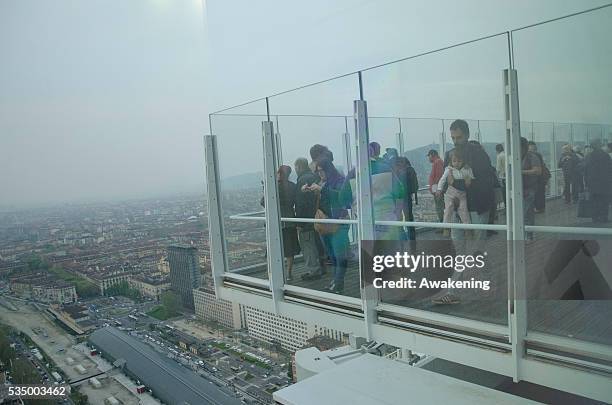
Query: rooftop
[
  {"x": 370, "y": 380},
  {"x": 171, "y": 382}
]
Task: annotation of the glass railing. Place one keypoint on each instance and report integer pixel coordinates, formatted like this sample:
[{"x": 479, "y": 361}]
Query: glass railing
[
  {"x": 456, "y": 82},
  {"x": 240, "y": 165},
  {"x": 570, "y": 267},
  {"x": 412, "y": 108},
  {"x": 316, "y": 125}
]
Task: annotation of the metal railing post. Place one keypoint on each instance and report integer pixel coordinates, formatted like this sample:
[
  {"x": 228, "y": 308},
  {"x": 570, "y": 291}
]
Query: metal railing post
[
  {"x": 369, "y": 295},
  {"x": 442, "y": 140},
  {"x": 516, "y": 229},
  {"x": 279, "y": 145},
  {"x": 554, "y": 188},
  {"x": 215, "y": 213},
  {"x": 348, "y": 161},
  {"x": 272, "y": 208},
  {"x": 399, "y": 140}
]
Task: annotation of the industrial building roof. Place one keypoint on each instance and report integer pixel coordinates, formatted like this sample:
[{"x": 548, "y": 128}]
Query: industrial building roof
[{"x": 170, "y": 381}]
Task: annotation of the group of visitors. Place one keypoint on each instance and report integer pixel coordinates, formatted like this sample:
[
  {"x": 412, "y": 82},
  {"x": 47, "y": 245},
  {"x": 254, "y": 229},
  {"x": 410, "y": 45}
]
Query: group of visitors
[
  {"x": 322, "y": 192},
  {"x": 465, "y": 185},
  {"x": 587, "y": 174}
]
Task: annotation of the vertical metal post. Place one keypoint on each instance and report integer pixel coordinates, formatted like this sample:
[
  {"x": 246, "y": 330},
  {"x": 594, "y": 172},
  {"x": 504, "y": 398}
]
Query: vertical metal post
[
  {"x": 272, "y": 208},
  {"x": 348, "y": 161},
  {"x": 346, "y": 144},
  {"x": 571, "y": 135},
  {"x": 442, "y": 140},
  {"x": 516, "y": 228},
  {"x": 554, "y": 189},
  {"x": 279, "y": 145},
  {"x": 369, "y": 295},
  {"x": 400, "y": 138},
  {"x": 588, "y": 136},
  {"x": 215, "y": 213},
  {"x": 478, "y": 136}
]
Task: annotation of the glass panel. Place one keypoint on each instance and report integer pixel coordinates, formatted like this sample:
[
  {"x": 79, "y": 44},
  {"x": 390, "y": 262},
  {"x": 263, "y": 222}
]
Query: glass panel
[
  {"x": 455, "y": 83},
  {"x": 314, "y": 122},
  {"x": 541, "y": 146},
  {"x": 384, "y": 132},
  {"x": 240, "y": 154},
  {"x": 420, "y": 136},
  {"x": 492, "y": 133},
  {"x": 570, "y": 83}
]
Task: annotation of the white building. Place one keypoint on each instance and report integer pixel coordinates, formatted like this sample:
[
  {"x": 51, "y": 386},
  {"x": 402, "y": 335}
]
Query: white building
[
  {"x": 263, "y": 325},
  {"x": 208, "y": 307}
]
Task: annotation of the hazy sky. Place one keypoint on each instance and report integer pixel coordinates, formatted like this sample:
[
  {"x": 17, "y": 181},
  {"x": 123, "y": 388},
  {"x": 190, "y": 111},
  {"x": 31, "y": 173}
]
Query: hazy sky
[{"x": 110, "y": 99}]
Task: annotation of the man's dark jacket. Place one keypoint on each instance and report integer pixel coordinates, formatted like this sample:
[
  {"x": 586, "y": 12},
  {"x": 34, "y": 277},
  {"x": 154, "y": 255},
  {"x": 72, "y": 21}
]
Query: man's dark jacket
[{"x": 305, "y": 201}]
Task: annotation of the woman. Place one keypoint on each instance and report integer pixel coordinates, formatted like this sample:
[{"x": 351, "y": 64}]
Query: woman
[
  {"x": 286, "y": 199},
  {"x": 335, "y": 196},
  {"x": 568, "y": 163}
]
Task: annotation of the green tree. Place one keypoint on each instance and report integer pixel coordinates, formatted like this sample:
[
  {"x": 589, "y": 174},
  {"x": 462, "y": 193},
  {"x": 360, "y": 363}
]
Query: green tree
[
  {"x": 24, "y": 373},
  {"x": 170, "y": 301},
  {"x": 123, "y": 289},
  {"x": 6, "y": 352}
]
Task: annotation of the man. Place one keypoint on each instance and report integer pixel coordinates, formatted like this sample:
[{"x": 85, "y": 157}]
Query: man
[
  {"x": 500, "y": 168},
  {"x": 540, "y": 198},
  {"x": 437, "y": 169},
  {"x": 598, "y": 181},
  {"x": 531, "y": 168},
  {"x": 480, "y": 197},
  {"x": 377, "y": 164},
  {"x": 306, "y": 207}
]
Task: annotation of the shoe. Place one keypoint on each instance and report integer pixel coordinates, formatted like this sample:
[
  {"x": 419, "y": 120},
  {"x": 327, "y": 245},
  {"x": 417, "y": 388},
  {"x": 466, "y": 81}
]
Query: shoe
[
  {"x": 447, "y": 299},
  {"x": 289, "y": 279},
  {"x": 336, "y": 290}
]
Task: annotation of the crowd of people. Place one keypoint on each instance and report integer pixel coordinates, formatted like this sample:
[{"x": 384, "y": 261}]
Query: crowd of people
[{"x": 465, "y": 185}]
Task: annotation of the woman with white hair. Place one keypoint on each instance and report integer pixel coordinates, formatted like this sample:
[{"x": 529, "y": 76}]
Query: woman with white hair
[{"x": 568, "y": 163}]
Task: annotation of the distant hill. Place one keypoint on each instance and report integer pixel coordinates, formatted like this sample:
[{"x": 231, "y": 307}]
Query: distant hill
[
  {"x": 247, "y": 180},
  {"x": 417, "y": 157}
]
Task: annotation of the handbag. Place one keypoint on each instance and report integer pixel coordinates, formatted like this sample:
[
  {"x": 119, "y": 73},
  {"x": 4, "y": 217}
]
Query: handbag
[
  {"x": 321, "y": 228},
  {"x": 585, "y": 205}
]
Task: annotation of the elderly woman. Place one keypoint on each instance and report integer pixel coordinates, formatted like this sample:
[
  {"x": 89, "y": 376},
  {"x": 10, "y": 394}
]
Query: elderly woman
[{"x": 568, "y": 163}]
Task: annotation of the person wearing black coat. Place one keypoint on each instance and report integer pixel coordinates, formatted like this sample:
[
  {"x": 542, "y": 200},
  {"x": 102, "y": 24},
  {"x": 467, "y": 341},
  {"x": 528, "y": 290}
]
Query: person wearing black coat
[
  {"x": 480, "y": 196},
  {"x": 306, "y": 207},
  {"x": 598, "y": 181}
]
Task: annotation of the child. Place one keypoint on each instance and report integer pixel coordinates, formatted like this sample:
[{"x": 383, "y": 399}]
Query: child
[{"x": 459, "y": 177}]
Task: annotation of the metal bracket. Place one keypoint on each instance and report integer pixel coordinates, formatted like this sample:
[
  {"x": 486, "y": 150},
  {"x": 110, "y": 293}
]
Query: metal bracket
[
  {"x": 274, "y": 242},
  {"x": 369, "y": 294}
]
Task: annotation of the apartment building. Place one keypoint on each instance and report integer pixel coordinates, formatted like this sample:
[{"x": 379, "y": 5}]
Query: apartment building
[{"x": 184, "y": 272}]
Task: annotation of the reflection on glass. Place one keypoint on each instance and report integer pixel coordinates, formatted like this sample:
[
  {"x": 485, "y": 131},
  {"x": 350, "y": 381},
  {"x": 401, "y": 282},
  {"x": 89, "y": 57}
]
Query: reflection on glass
[
  {"x": 240, "y": 154},
  {"x": 316, "y": 141}
]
